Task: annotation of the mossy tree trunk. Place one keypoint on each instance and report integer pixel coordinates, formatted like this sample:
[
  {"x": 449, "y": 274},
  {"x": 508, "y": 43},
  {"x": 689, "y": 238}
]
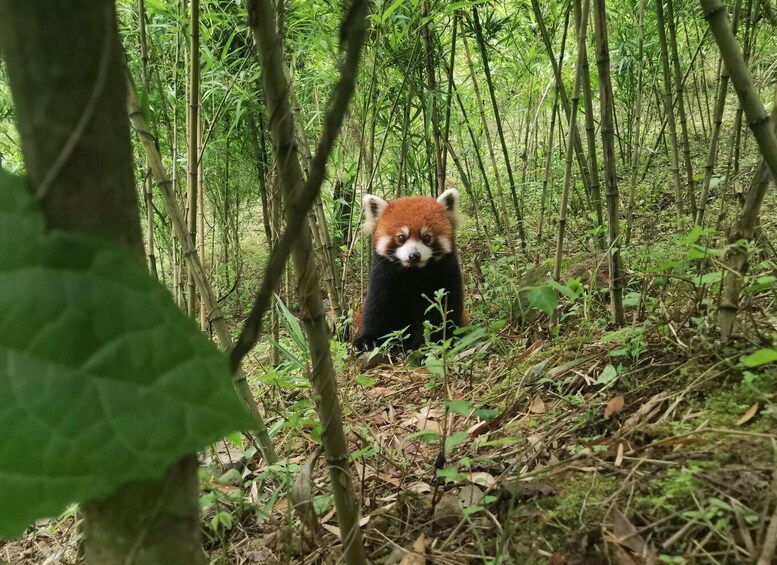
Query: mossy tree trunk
[{"x": 67, "y": 80}]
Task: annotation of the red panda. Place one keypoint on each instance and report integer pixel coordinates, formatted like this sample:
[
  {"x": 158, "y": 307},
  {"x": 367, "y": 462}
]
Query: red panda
[{"x": 414, "y": 254}]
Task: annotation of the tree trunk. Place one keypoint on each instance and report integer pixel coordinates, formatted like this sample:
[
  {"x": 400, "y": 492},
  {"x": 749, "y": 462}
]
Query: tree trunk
[
  {"x": 608, "y": 150},
  {"x": 63, "y": 58}
]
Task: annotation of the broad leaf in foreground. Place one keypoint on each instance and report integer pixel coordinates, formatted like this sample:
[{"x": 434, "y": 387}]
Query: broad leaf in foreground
[{"x": 102, "y": 379}]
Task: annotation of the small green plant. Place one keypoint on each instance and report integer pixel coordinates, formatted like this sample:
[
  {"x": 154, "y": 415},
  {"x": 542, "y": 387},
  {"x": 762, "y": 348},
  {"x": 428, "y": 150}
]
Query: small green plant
[{"x": 632, "y": 342}]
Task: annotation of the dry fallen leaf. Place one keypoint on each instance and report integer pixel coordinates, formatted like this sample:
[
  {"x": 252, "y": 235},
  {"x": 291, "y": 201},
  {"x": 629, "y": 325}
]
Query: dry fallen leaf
[
  {"x": 749, "y": 415},
  {"x": 626, "y": 535},
  {"x": 482, "y": 478},
  {"x": 537, "y": 406},
  {"x": 645, "y": 412},
  {"x": 420, "y": 487},
  {"x": 470, "y": 495},
  {"x": 614, "y": 406},
  {"x": 417, "y": 555},
  {"x": 428, "y": 419}
]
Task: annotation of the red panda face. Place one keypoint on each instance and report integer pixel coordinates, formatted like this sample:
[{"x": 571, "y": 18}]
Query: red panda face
[{"x": 412, "y": 230}]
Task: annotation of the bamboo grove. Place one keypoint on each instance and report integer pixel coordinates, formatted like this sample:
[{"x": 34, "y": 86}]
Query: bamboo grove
[
  {"x": 500, "y": 100},
  {"x": 619, "y": 129}
]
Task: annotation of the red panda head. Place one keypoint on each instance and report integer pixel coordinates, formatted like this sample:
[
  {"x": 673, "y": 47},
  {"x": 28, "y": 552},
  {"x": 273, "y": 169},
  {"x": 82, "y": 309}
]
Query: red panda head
[{"x": 412, "y": 230}]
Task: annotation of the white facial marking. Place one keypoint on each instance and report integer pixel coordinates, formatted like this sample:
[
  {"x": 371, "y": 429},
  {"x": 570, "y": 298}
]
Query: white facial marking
[
  {"x": 405, "y": 231},
  {"x": 412, "y": 247},
  {"x": 445, "y": 244},
  {"x": 382, "y": 244}
]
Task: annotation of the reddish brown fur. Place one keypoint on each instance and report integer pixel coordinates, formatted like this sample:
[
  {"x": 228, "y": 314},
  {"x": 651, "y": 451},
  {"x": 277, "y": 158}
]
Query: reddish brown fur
[{"x": 413, "y": 212}]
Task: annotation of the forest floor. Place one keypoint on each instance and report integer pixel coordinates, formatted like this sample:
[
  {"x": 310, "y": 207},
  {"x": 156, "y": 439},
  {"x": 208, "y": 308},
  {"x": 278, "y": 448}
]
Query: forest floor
[
  {"x": 650, "y": 445},
  {"x": 533, "y": 442}
]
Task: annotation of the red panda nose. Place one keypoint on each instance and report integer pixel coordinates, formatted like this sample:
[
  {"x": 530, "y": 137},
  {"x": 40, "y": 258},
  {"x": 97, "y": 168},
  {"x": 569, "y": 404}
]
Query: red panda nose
[{"x": 414, "y": 257}]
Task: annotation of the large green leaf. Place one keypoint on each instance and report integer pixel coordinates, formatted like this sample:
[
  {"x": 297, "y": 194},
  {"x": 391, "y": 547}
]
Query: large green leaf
[
  {"x": 761, "y": 357},
  {"x": 102, "y": 379},
  {"x": 543, "y": 298}
]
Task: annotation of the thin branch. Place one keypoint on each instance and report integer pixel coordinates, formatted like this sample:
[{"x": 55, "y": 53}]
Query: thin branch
[{"x": 353, "y": 34}]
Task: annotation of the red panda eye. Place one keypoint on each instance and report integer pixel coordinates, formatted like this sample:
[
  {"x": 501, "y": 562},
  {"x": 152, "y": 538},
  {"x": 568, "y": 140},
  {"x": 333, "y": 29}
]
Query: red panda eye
[
  {"x": 401, "y": 239},
  {"x": 427, "y": 239}
]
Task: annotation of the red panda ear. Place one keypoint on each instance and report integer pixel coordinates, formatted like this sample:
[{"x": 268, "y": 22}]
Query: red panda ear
[
  {"x": 450, "y": 201},
  {"x": 372, "y": 208}
]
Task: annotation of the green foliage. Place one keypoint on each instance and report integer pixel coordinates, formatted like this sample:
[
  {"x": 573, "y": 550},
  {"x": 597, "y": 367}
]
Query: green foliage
[
  {"x": 543, "y": 298},
  {"x": 103, "y": 379},
  {"x": 761, "y": 357}
]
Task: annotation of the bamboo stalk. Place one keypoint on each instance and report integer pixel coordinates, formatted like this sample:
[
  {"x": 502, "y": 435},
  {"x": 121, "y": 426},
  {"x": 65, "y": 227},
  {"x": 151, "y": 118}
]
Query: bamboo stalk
[
  {"x": 548, "y": 160},
  {"x": 562, "y": 221},
  {"x": 712, "y": 151},
  {"x": 299, "y": 198},
  {"x": 606, "y": 102},
  {"x": 431, "y": 83},
  {"x": 637, "y": 122},
  {"x": 193, "y": 128},
  {"x": 479, "y": 160},
  {"x": 196, "y": 270},
  {"x": 736, "y": 256},
  {"x": 489, "y": 143},
  {"x": 669, "y": 113},
  {"x": 680, "y": 101},
  {"x": 758, "y": 119},
  {"x": 581, "y": 158},
  {"x": 449, "y": 97},
  {"x": 500, "y": 131},
  {"x": 595, "y": 186}
]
